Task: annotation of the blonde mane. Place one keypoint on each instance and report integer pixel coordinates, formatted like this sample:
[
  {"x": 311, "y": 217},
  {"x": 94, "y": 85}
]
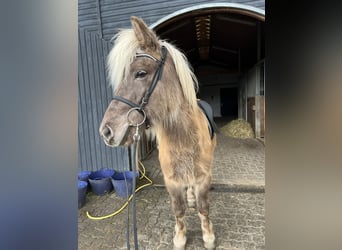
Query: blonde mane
[
  {"x": 123, "y": 53},
  {"x": 186, "y": 76},
  {"x": 121, "y": 56}
]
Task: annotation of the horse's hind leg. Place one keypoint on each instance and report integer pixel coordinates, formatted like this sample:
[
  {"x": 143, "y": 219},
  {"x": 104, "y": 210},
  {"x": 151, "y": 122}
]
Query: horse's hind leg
[
  {"x": 177, "y": 193},
  {"x": 191, "y": 197},
  {"x": 202, "y": 191}
]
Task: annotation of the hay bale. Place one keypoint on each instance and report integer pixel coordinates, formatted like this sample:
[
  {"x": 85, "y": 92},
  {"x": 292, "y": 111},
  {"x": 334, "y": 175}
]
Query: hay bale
[{"x": 238, "y": 129}]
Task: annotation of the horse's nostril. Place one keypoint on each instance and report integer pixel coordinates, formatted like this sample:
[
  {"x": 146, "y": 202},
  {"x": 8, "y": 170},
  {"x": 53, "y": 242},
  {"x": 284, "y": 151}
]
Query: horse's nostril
[{"x": 107, "y": 132}]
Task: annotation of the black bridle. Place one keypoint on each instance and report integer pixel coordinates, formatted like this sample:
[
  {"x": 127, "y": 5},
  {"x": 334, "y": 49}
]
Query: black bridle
[{"x": 157, "y": 76}]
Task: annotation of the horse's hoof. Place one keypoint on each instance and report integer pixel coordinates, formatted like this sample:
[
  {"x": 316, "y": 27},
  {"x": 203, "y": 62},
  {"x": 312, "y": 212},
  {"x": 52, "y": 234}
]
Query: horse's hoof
[
  {"x": 209, "y": 242},
  {"x": 178, "y": 247},
  {"x": 209, "y": 245},
  {"x": 179, "y": 243}
]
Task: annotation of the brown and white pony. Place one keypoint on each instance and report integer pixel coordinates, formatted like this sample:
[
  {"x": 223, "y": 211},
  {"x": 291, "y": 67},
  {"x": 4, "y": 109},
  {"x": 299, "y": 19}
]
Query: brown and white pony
[{"x": 137, "y": 61}]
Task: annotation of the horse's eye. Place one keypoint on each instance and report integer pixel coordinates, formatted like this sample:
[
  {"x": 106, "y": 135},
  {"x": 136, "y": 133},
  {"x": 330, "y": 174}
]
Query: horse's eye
[{"x": 140, "y": 74}]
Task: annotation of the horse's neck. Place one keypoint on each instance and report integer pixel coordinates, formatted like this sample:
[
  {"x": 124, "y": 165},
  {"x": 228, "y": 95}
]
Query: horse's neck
[{"x": 180, "y": 131}]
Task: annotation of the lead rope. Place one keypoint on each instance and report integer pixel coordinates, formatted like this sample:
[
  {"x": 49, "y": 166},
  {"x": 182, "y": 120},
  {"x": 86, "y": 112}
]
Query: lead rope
[{"x": 136, "y": 139}]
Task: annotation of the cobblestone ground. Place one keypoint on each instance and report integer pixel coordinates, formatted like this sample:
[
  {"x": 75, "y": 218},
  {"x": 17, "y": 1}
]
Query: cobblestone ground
[
  {"x": 237, "y": 205},
  {"x": 238, "y": 220},
  {"x": 239, "y": 162}
]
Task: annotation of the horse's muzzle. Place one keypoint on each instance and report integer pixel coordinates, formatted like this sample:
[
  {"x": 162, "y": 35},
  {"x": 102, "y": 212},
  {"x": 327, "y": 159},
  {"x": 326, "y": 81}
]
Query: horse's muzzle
[
  {"x": 113, "y": 138},
  {"x": 107, "y": 135}
]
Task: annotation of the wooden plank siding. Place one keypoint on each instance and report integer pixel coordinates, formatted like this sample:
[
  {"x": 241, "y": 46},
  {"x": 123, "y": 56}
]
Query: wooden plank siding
[{"x": 98, "y": 21}]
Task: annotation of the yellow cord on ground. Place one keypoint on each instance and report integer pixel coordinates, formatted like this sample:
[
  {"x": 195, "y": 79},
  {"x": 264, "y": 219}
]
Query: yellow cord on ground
[{"x": 143, "y": 171}]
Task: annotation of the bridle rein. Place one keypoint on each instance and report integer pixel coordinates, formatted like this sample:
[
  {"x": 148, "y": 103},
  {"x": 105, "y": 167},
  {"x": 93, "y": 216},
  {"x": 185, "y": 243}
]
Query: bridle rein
[{"x": 156, "y": 77}]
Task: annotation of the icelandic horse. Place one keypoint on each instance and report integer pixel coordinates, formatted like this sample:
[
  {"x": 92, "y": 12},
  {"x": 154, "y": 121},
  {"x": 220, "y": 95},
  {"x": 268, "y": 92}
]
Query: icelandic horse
[{"x": 152, "y": 81}]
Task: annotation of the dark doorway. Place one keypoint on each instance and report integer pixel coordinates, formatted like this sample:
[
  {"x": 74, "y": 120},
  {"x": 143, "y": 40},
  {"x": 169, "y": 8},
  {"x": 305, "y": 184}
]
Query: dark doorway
[{"x": 229, "y": 102}]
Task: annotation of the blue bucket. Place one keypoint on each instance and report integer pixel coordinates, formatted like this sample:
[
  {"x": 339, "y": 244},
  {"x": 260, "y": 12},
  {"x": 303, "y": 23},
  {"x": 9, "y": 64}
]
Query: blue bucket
[
  {"x": 82, "y": 191},
  {"x": 84, "y": 176},
  {"x": 100, "y": 181},
  {"x": 119, "y": 183}
]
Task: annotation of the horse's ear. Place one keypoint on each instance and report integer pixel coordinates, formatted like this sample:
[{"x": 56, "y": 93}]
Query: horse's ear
[{"x": 146, "y": 37}]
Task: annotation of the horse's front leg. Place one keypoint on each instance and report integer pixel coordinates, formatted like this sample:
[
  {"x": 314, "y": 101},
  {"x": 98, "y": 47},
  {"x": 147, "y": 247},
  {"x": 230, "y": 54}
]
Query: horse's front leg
[
  {"x": 202, "y": 191},
  {"x": 177, "y": 193}
]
